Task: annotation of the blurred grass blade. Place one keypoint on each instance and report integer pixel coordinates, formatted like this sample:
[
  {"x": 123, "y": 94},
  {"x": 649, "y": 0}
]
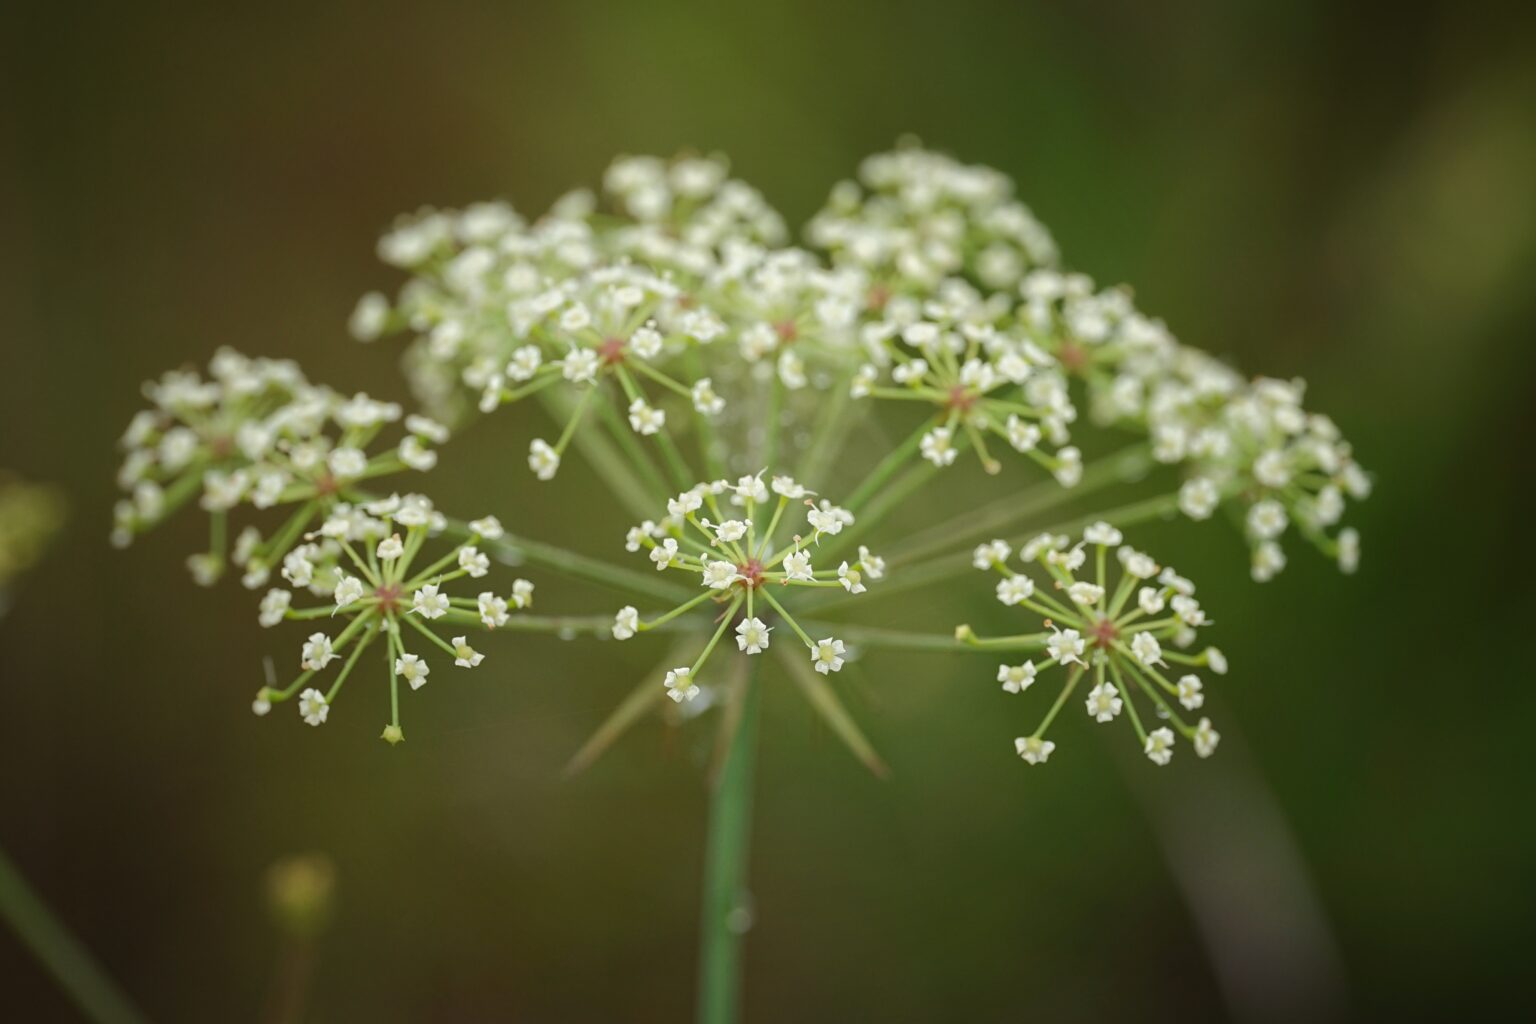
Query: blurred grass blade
[
  {"x": 70, "y": 963},
  {"x": 640, "y": 700},
  {"x": 818, "y": 690}
]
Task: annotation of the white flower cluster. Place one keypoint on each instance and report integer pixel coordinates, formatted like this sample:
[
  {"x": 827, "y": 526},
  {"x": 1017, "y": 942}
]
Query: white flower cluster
[
  {"x": 381, "y": 591},
  {"x": 670, "y": 308},
  {"x": 715, "y": 530},
  {"x": 981, "y": 380},
  {"x": 1287, "y": 466},
  {"x": 786, "y": 310},
  {"x": 921, "y": 217},
  {"x": 1245, "y": 441},
  {"x": 504, "y": 309},
  {"x": 1120, "y": 632},
  {"x": 687, "y": 209},
  {"x": 256, "y": 433},
  {"x": 935, "y": 286}
]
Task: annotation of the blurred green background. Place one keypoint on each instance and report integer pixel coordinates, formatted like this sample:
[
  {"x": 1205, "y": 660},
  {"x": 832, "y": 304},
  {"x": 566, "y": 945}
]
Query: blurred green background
[{"x": 1343, "y": 192}]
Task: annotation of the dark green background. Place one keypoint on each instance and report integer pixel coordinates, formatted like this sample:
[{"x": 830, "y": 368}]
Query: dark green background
[{"x": 1343, "y": 192}]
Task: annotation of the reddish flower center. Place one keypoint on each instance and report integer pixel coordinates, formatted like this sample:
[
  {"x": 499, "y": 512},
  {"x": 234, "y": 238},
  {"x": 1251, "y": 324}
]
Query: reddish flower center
[
  {"x": 1103, "y": 633},
  {"x": 961, "y": 398},
  {"x": 1073, "y": 356},
  {"x": 788, "y": 332},
  {"x": 611, "y": 350},
  {"x": 389, "y": 597},
  {"x": 751, "y": 572}
]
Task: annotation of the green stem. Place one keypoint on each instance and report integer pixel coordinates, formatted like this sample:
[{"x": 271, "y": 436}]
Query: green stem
[
  {"x": 218, "y": 529},
  {"x": 1020, "y": 642},
  {"x": 768, "y": 596},
  {"x": 682, "y": 473},
  {"x": 178, "y": 492},
  {"x": 1125, "y": 699},
  {"x": 280, "y": 542},
  {"x": 1061, "y": 698},
  {"x": 675, "y": 612},
  {"x": 883, "y": 470},
  {"x": 725, "y": 871},
  {"x": 905, "y": 640},
  {"x": 1124, "y": 466},
  {"x": 1125, "y": 515},
  {"x": 880, "y": 506},
  {"x": 70, "y": 963},
  {"x": 956, "y": 564},
  {"x": 394, "y": 677},
  {"x": 577, "y": 565},
  {"x": 303, "y": 614},
  {"x": 709, "y": 648},
  {"x": 709, "y": 438},
  {"x": 424, "y": 631},
  {"x": 606, "y": 462},
  {"x": 639, "y": 458},
  {"x": 346, "y": 669},
  {"x": 771, "y": 421},
  {"x": 826, "y": 440}
]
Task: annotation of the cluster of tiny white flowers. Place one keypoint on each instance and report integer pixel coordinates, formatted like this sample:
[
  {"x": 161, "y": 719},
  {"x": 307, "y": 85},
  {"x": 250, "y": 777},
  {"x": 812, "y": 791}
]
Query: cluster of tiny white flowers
[
  {"x": 1121, "y": 632},
  {"x": 981, "y": 380},
  {"x": 687, "y": 209},
  {"x": 926, "y": 217},
  {"x": 670, "y": 307},
  {"x": 1246, "y": 441},
  {"x": 365, "y": 559},
  {"x": 939, "y": 287},
  {"x": 787, "y": 311},
  {"x": 508, "y": 315},
  {"x": 504, "y": 308},
  {"x": 1288, "y": 467},
  {"x": 256, "y": 433},
  {"x": 717, "y": 531},
  {"x": 627, "y": 306}
]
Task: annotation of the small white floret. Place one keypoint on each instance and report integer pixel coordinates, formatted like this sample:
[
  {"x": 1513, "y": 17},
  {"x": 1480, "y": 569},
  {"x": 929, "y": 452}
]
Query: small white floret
[
  {"x": 1104, "y": 702},
  {"x": 428, "y": 603},
  {"x": 464, "y": 655},
  {"x": 1033, "y": 750},
  {"x": 1065, "y": 646},
  {"x": 1146, "y": 649},
  {"x": 1159, "y": 746},
  {"x": 317, "y": 653},
  {"x": 1190, "y": 692},
  {"x": 827, "y": 655},
  {"x": 752, "y": 635},
  {"x": 413, "y": 670},
  {"x": 313, "y": 707},
  {"x": 1016, "y": 678},
  {"x": 680, "y": 685}
]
